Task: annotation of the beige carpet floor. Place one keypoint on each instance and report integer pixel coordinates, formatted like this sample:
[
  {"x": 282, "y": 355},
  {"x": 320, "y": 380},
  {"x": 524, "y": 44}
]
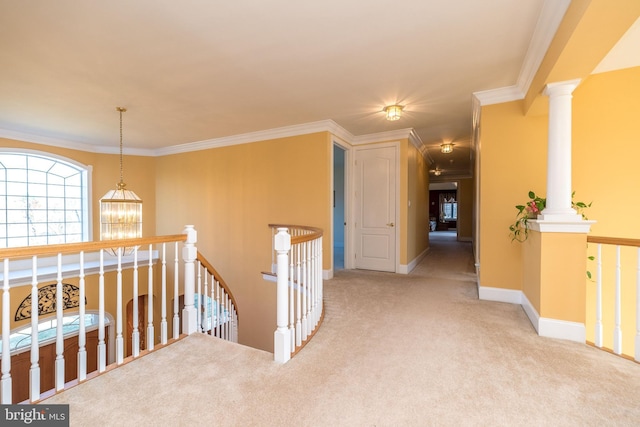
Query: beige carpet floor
[{"x": 394, "y": 350}]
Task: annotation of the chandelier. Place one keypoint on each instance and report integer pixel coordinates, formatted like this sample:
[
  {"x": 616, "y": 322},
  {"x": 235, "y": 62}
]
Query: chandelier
[{"x": 120, "y": 210}]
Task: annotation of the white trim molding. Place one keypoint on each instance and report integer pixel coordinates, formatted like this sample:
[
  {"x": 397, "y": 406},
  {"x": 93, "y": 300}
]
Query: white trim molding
[{"x": 543, "y": 226}]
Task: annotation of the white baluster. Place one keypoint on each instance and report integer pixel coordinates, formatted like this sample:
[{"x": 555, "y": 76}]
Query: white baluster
[
  {"x": 310, "y": 321},
  {"x": 198, "y": 293},
  {"x": 637, "y": 340},
  {"x": 176, "y": 295},
  {"x": 282, "y": 341},
  {"x": 298, "y": 298},
  {"x": 189, "y": 254},
  {"x": 292, "y": 285},
  {"x": 102, "y": 348},
  {"x": 229, "y": 325},
  {"x": 219, "y": 310},
  {"x": 314, "y": 294},
  {"x": 320, "y": 295},
  {"x": 34, "y": 370},
  {"x": 135, "y": 335},
  {"x": 225, "y": 333},
  {"x": 119, "y": 338},
  {"x": 5, "y": 388},
  {"x": 205, "y": 295},
  {"x": 319, "y": 283},
  {"x": 598, "y": 331},
  {"x": 82, "y": 332},
  {"x": 304, "y": 285},
  {"x": 163, "y": 297},
  {"x": 59, "y": 370},
  {"x": 150, "y": 329},
  {"x": 617, "y": 332}
]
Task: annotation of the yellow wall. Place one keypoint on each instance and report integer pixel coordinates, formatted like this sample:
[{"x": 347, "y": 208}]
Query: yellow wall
[
  {"x": 606, "y": 116},
  {"x": 554, "y": 275},
  {"x": 418, "y": 212},
  {"x": 513, "y": 162},
  {"x": 232, "y": 194}
]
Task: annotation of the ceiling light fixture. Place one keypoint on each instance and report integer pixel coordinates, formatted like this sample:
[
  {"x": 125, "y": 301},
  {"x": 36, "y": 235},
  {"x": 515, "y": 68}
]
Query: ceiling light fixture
[
  {"x": 437, "y": 172},
  {"x": 446, "y": 148},
  {"x": 120, "y": 210},
  {"x": 393, "y": 112}
]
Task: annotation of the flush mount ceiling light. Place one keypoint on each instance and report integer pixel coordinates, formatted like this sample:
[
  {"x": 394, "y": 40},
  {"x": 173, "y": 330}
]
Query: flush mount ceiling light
[
  {"x": 120, "y": 210},
  {"x": 393, "y": 112},
  {"x": 446, "y": 148}
]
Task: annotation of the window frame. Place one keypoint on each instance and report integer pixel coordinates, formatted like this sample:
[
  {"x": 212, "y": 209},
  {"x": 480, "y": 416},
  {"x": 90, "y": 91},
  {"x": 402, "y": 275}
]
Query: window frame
[{"x": 86, "y": 193}]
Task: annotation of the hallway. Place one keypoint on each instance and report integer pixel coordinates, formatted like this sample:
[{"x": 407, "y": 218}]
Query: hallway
[{"x": 411, "y": 350}]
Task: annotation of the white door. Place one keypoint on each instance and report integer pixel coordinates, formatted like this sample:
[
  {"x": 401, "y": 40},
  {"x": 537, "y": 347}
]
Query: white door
[{"x": 375, "y": 228}]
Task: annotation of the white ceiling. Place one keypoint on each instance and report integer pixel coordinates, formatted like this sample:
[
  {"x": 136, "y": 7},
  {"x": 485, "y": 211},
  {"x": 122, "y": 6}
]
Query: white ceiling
[{"x": 198, "y": 70}]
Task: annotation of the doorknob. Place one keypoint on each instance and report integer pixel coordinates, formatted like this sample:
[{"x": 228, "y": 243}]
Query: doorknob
[{"x": 390, "y": 224}]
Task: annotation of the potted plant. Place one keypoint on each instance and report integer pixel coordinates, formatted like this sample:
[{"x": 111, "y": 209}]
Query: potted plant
[{"x": 531, "y": 209}]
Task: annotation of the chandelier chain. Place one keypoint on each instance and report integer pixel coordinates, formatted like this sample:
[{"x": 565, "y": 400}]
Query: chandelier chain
[{"x": 121, "y": 110}]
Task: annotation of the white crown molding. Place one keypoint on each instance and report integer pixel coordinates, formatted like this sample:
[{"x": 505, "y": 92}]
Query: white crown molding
[
  {"x": 72, "y": 145},
  {"x": 548, "y": 22},
  {"x": 551, "y": 16},
  {"x": 498, "y": 96},
  {"x": 382, "y": 136},
  {"x": 245, "y": 138}
]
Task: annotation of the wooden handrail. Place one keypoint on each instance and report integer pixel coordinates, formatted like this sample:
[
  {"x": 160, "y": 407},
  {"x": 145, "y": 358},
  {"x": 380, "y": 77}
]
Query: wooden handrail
[
  {"x": 207, "y": 265},
  {"x": 314, "y": 232},
  {"x": 620, "y": 241},
  {"x": 64, "y": 248}
]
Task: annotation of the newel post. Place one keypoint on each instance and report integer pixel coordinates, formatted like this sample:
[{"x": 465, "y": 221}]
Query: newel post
[
  {"x": 189, "y": 255},
  {"x": 282, "y": 337}
]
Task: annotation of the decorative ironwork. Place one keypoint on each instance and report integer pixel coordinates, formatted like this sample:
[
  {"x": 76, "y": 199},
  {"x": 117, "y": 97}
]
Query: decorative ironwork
[{"x": 47, "y": 300}]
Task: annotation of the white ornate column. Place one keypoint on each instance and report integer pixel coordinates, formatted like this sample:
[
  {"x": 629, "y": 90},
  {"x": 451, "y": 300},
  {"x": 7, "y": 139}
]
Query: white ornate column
[
  {"x": 555, "y": 254},
  {"x": 558, "y": 207}
]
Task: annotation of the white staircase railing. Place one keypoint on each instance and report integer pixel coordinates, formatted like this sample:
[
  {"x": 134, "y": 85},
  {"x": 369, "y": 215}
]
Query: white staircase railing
[
  {"x": 617, "y": 279},
  {"x": 218, "y": 307},
  {"x": 89, "y": 265},
  {"x": 298, "y": 252}
]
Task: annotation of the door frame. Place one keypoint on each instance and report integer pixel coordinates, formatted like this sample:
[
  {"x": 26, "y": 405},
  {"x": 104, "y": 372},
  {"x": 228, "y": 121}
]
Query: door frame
[
  {"x": 348, "y": 203},
  {"x": 396, "y": 203}
]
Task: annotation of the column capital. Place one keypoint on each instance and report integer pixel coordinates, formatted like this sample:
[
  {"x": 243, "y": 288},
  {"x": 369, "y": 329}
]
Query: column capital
[{"x": 561, "y": 88}]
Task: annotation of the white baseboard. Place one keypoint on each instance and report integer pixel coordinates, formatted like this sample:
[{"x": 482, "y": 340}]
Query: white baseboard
[
  {"x": 327, "y": 274},
  {"x": 562, "y": 329},
  {"x": 501, "y": 295},
  {"x": 406, "y": 269},
  {"x": 531, "y": 313},
  {"x": 545, "y": 327}
]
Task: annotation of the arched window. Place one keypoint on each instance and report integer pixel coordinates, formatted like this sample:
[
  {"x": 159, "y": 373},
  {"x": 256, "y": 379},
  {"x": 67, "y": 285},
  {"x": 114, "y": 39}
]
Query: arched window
[{"x": 43, "y": 199}]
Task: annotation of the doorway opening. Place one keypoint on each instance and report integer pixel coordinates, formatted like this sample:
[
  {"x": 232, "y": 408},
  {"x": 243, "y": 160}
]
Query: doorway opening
[
  {"x": 339, "y": 221},
  {"x": 443, "y": 208}
]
